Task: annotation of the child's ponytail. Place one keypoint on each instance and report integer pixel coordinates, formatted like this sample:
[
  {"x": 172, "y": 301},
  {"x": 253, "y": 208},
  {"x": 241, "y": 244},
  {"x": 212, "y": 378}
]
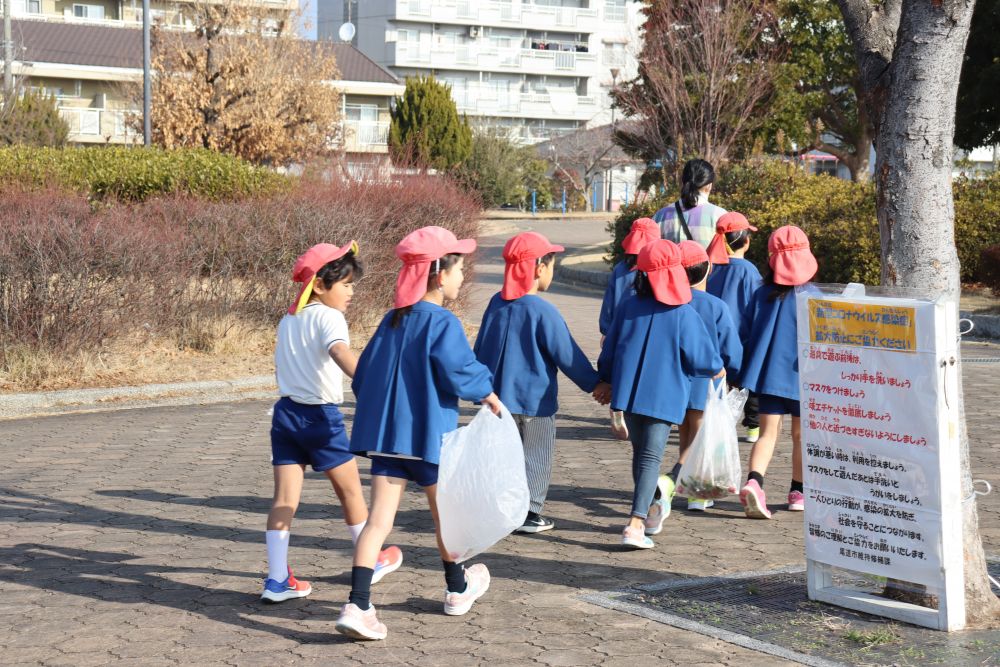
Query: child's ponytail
[{"x": 696, "y": 175}]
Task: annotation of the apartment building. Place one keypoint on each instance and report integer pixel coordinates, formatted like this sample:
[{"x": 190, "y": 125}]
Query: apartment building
[
  {"x": 540, "y": 67},
  {"x": 89, "y": 66},
  {"x": 124, "y": 12}
]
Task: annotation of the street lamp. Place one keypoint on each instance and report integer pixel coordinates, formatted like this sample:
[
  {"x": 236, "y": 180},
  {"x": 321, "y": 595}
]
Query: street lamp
[{"x": 614, "y": 84}]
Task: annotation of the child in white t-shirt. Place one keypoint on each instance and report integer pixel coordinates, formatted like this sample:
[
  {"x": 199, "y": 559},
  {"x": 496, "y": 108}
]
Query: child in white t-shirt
[{"x": 311, "y": 357}]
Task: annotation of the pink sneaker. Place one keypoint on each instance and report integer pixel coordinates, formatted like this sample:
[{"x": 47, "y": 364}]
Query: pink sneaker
[
  {"x": 359, "y": 624},
  {"x": 388, "y": 561},
  {"x": 477, "y": 580},
  {"x": 753, "y": 500},
  {"x": 796, "y": 501}
]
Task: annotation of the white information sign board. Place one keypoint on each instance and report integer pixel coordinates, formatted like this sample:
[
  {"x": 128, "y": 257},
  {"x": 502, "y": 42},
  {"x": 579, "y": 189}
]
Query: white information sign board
[{"x": 880, "y": 448}]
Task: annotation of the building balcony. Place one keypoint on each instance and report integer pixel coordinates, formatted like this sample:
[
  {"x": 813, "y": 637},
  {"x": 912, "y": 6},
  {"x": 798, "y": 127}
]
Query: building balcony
[
  {"x": 93, "y": 126},
  {"x": 480, "y": 58},
  {"x": 365, "y": 136},
  {"x": 485, "y": 100},
  {"x": 504, "y": 14}
]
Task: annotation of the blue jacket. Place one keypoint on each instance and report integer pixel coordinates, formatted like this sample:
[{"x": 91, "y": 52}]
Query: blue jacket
[
  {"x": 619, "y": 288},
  {"x": 651, "y": 352},
  {"x": 408, "y": 383},
  {"x": 770, "y": 351},
  {"x": 721, "y": 328},
  {"x": 523, "y": 342},
  {"x": 735, "y": 284}
]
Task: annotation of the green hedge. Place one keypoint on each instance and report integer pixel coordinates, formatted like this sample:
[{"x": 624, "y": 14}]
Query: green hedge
[
  {"x": 838, "y": 216},
  {"x": 134, "y": 174}
]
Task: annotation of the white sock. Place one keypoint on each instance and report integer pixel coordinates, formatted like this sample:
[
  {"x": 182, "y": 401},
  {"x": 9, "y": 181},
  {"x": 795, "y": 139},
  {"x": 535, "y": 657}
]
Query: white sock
[
  {"x": 356, "y": 530},
  {"x": 277, "y": 554}
]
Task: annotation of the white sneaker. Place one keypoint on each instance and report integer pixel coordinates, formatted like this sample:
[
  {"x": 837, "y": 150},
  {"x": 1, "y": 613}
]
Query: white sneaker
[
  {"x": 359, "y": 624},
  {"x": 658, "y": 513},
  {"x": 699, "y": 504},
  {"x": 477, "y": 582}
]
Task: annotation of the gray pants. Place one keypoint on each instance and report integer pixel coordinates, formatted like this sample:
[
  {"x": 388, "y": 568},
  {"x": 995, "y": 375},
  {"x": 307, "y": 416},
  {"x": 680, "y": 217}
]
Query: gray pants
[{"x": 538, "y": 435}]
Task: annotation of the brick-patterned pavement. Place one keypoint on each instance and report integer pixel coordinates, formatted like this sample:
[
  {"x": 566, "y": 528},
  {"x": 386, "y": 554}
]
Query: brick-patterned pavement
[{"x": 136, "y": 537}]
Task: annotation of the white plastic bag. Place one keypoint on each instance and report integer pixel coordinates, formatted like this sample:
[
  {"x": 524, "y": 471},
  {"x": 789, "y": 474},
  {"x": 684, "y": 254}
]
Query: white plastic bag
[
  {"x": 712, "y": 469},
  {"x": 482, "y": 490}
]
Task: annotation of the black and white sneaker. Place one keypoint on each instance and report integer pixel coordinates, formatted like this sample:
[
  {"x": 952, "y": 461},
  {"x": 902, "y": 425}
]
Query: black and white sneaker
[{"x": 535, "y": 523}]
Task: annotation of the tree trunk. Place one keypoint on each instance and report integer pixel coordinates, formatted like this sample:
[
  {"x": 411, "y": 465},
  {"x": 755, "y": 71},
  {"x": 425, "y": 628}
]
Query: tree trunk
[{"x": 910, "y": 87}]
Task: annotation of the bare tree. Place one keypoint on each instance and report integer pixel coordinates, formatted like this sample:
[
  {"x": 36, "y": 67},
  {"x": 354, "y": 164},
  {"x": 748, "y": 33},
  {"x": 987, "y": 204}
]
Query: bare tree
[
  {"x": 579, "y": 157},
  {"x": 243, "y": 83},
  {"x": 705, "y": 72},
  {"x": 909, "y": 54}
]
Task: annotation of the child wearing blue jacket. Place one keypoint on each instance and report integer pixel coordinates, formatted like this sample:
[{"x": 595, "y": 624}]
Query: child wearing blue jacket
[
  {"x": 409, "y": 379},
  {"x": 620, "y": 287},
  {"x": 311, "y": 357},
  {"x": 656, "y": 343},
  {"x": 770, "y": 364},
  {"x": 734, "y": 279},
  {"x": 524, "y": 340},
  {"x": 723, "y": 330},
  {"x": 642, "y": 232}
]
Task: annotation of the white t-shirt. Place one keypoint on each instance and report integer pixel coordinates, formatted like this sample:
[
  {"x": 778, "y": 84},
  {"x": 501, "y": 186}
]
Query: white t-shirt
[{"x": 302, "y": 364}]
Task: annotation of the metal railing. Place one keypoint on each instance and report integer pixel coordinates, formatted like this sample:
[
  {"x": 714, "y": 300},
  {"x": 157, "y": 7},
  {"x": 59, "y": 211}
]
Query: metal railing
[
  {"x": 89, "y": 125},
  {"x": 365, "y": 133}
]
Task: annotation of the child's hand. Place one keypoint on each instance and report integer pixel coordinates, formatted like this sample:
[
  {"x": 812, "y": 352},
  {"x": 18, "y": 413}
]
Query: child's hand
[
  {"x": 493, "y": 403},
  {"x": 721, "y": 374},
  {"x": 602, "y": 393}
]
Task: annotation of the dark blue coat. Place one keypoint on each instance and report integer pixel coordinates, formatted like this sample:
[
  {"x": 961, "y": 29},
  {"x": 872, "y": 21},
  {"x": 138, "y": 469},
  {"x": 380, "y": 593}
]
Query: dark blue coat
[
  {"x": 408, "y": 383},
  {"x": 735, "y": 284},
  {"x": 721, "y": 327},
  {"x": 770, "y": 351},
  {"x": 524, "y": 342},
  {"x": 620, "y": 287},
  {"x": 650, "y": 355}
]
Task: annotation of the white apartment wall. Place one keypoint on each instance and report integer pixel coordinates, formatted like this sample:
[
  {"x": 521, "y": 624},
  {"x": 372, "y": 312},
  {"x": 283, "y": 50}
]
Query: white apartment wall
[{"x": 490, "y": 63}]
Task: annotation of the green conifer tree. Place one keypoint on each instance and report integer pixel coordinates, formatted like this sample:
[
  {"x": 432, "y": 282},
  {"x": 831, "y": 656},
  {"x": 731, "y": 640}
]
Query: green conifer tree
[{"x": 426, "y": 129}]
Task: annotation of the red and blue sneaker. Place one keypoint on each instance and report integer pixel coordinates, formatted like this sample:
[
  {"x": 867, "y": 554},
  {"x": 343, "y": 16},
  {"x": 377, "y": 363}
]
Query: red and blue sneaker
[
  {"x": 290, "y": 588},
  {"x": 388, "y": 561}
]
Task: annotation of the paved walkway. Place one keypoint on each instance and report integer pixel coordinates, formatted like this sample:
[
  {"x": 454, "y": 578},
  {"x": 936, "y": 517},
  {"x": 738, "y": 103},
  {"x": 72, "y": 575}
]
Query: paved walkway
[{"x": 136, "y": 537}]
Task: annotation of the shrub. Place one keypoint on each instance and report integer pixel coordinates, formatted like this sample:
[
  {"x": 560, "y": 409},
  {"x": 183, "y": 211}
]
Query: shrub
[
  {"x": 74, "y": 276},
  {"x": 838, "y": 216},
  {"x": 134, "y": 174},
  {"x": 32, "y": 120},
  {"x": 989, "y": 268}
]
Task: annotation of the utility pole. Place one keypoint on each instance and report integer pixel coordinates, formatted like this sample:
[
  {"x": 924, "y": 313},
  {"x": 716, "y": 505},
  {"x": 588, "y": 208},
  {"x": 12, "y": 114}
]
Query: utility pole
[
  {"x": 147, "y": 84},
  {"x": 8, "y": 53}
]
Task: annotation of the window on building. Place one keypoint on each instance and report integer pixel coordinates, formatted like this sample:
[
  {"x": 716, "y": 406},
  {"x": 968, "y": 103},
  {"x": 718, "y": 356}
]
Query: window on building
[
  {"x": 93, "y": 12},
  {"x": 21, "y": 7},
  {"x": 828, "y": 167},
  {"x": 613, "y": 55},
  {"x": 614, "y": 10},
  {"x": 361, "y": 112}
]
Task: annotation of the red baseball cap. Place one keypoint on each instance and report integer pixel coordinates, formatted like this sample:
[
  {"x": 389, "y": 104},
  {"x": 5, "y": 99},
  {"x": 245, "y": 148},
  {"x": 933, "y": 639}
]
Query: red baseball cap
[
  {"x": 718, "y": 249},
  {"x": 417, "y": 250},
  {"x": 789, "y": 256},
  {"x": 309, "y": 263},
  {"x": 692, "y": 253},
  {"x": 661, "y": 262},
  {"x": 522, "y": 253},
  {"x": 643, "y": 232}
]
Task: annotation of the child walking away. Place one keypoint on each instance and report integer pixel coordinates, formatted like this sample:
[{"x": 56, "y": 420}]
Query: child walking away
[
  {"x": 643, "y": 232},
  {"x": 770, "y": 363},
  {"x": 409, "y": 381},
  {"x": 311, "y": 357},
  {"x": 721, "y": 328},
  {"x": 656, "y": 343},
  {"x": 524, "y": 340},
  {"x": 734, "y": 280}
]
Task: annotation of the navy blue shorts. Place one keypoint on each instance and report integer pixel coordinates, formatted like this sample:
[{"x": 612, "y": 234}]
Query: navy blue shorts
[
  {"x": 308, "y": 434},
  {"x": 415, "y": 470},
  {"x": 769, "y": 404}
]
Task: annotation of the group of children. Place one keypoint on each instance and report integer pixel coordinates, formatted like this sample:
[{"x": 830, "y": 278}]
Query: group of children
[{"x": 675, "y": 317}]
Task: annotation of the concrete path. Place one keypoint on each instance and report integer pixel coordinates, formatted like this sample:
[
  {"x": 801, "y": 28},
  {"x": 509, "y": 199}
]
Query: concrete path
[{"x": 136, "y": 537}]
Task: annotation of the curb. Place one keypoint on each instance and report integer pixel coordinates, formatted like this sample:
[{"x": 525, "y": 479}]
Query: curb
[
  {"x": 568, "y": 273},
  {"x": 984, "y": 326},
  {"x": 17, "y": 406}
]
